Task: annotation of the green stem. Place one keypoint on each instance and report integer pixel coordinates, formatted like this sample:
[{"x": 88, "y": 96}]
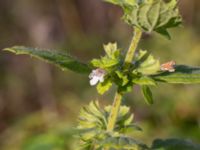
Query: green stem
[
  {"x": 118, "y": 96},
  {"x": 133, "y": 46},
  {"x": 114, "y": 112}
]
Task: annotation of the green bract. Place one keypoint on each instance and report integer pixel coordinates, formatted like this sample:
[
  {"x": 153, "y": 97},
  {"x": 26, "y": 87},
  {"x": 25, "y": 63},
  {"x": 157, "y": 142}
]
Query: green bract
[
  {"x": 140, "y": 70},
  {"x": 150, "y": 15},
  {"x": 146, "y": 64},
  {"x": 104, "y": 86},
  {"x": 110, "y": 60},
  {"x": 93, "y": 122}
]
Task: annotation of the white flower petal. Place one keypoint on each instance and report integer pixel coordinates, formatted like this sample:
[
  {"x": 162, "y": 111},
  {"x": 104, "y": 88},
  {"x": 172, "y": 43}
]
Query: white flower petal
[
  {"x": 96, "y": 76},
  {"x": 94, "y": 81},
  {"x": 92, "y": 74}
]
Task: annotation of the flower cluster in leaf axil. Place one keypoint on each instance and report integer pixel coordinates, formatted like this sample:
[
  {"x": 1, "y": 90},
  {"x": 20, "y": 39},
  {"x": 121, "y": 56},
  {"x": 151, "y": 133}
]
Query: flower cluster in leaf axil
[
  {"x": 106, "y": 67},
  {"x": 110, "y": 69}
]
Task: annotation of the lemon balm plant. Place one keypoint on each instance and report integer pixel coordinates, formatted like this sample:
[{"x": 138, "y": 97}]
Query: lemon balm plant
[{"x": 110, "y": 127}]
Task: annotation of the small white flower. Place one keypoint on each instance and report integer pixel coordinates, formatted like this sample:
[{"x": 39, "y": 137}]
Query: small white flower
[{"x": 96, "y": 76}]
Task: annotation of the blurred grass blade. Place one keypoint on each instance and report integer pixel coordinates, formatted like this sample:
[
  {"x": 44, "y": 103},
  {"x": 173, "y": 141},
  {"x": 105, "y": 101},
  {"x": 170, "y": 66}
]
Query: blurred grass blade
[
  {"x": 63, "y": 61},
  {"x": 183, "y": 75}
]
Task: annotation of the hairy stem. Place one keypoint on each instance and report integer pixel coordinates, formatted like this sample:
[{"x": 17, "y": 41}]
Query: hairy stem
[
  {"x": 118, "y": 96},
  {"x": 133, "y": 46},
  {"x": 115, "y": 108}
]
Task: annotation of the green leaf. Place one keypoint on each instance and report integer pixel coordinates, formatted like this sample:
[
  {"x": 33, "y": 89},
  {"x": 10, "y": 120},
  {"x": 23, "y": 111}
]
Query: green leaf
[
  {"x": 124, "y": 78},
  {"x": 110, "y": 60},
  {"x": 143, "y": 80},
  {"x": 111, "y": 50},
  {"x": 104, "y": 62},
  {"x": 164, "y": 32},
  {"x": 150, "y": 15},
  {"x": 63, "y": 61},
  {"x": 174, "y": 144},
  {"x": 122, "y": 142},
  {"x": 127, "y": 88},
  {"x": 104, "y": 86},
  {"x": 130, "y": 128},
  {"x": 122, "y": 3},
  {"x": 146, "y": 64},
  {"x": 182, "y": 75},
  {"x": 146, "y": 91}
]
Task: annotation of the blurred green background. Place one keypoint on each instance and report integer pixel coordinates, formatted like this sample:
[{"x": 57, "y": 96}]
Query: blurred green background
[{"x": 39, "y": 103}]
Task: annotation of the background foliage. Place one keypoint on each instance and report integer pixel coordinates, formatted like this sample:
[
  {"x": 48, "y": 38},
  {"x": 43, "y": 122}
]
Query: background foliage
[{"x": 38, "y": 102}]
